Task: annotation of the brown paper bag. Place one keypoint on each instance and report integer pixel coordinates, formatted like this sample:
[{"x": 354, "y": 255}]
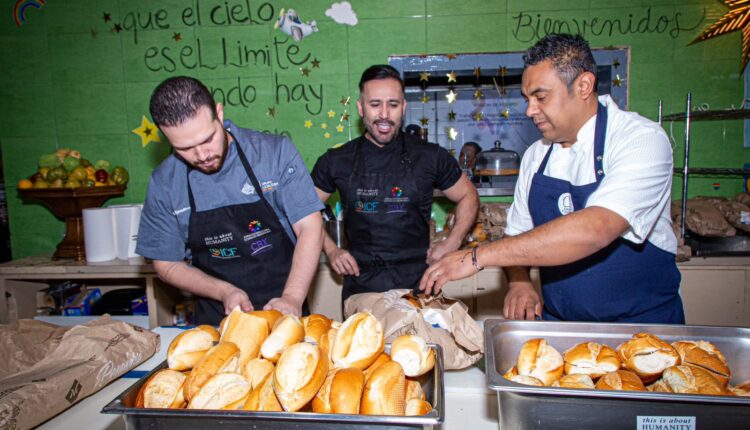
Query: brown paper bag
[
  {"x": 440, "y": 320},
  {"x": 79, "y": 362}
]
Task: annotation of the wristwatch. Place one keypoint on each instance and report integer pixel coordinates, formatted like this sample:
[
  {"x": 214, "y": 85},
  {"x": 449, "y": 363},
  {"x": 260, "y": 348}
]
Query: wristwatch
[{"x": 474, "y": 261}]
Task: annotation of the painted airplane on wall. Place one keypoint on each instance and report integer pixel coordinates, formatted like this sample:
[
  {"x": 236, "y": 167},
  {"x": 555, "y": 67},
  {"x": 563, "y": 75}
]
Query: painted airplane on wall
[{"x": 290, "y": 24}]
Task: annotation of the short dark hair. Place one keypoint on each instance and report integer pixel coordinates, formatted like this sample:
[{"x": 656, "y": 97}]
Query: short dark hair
[
  {"x": 570, "y": 55},
  {"x": 380, "y": 71},
  {"x": 473, "y": 145},
  {"x": 179, "y": 98}
]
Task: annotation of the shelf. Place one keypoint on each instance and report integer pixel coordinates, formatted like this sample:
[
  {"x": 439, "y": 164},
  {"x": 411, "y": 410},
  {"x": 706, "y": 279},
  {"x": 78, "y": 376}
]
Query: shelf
[
  {"x": 710, "y": 115},
  {"x": 713, "y": 171}
]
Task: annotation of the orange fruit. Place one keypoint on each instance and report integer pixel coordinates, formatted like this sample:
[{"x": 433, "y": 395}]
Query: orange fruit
[{"x": 25, "y": 184}]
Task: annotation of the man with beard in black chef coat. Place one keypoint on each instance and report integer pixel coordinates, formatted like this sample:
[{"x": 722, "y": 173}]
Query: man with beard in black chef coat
[{"x": 386, "y": 180}]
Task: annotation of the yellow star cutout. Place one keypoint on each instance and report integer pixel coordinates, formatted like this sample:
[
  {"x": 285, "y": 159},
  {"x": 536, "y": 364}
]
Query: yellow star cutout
[
  {"x": 305, "y": 71},
  {"x": 424, "y": 76},
  {"x": 451, "y": 76},
  {"x": 477, "y": 72},
  {"x": 331, "y": 114},
  {"x": 324, "y": 126},
  {"x": 503, "y": 71},
  {"x": 617, "y": 81},
  {"x": 478, "y": 116},
  {"x": 308, "y": 124},
  {"x": 737, "y": 18},
  {"x": 147, "y": 131},
  {"x": 425, "y": 98},
  {"x": 478, "y": 94},
  {"x": 315, "y": 63},
  {"x": 451, "y": 96},
  {"x": 424, "y": 121},
  {"x": 452, "y": 133},
  {"x": 506, "y": 113},
  {"x": 327, "y": 135},
  {"x": 271, "y": 112},
  {"x": 340, "y": 128},
  {"x": 451, "y": 115}
]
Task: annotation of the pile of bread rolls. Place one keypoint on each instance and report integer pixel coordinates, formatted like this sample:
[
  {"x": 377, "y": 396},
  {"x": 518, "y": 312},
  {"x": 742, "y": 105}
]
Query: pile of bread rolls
[
  {"x": 266, "y": 361},
  {"x": 643, "y": 363}
]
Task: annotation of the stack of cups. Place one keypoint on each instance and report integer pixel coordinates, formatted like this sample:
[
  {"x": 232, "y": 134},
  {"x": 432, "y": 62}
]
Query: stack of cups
[{"x": 111, "y": 232}]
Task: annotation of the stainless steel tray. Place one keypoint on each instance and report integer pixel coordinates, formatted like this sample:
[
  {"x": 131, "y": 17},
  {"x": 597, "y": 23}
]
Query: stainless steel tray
[
  {"x": 529, "y": 407},
  {"x": 188, "y": 419}
]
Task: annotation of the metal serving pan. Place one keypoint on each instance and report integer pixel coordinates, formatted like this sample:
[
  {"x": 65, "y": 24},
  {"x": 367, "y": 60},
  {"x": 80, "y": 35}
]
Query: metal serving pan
[
  {"x": 189, "y": 419},
  {"x": 529, "y": 407}
]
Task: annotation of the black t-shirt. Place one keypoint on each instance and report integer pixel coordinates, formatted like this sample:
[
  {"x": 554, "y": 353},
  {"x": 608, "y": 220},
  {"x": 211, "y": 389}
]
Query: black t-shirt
[{"x": 433, "y": 166}]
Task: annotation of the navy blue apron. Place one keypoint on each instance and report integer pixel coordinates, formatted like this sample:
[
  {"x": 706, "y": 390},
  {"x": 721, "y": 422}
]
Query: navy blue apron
[
  {"x": 624, "y": 282},
  {"x": 388, "y": 234},
  {"x": 243, "y": 244}
]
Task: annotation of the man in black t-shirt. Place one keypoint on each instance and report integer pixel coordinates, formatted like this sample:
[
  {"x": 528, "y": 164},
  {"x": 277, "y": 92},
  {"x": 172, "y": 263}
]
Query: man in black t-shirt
[{"x": 386, "y": 180}]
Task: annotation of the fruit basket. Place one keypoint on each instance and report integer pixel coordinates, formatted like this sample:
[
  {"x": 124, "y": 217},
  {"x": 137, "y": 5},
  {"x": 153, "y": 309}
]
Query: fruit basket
[{"x": 68, "y": 204}]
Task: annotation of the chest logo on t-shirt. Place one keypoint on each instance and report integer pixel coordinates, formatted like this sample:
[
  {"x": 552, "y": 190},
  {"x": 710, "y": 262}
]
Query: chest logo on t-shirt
[
  {"x": 248, "y": 189},
  {"x": 565, "y": 203},
  {"x": 267, "y": 186},
  {"x": 396, "y": 202},
  {"x": 256, "y": 230}
]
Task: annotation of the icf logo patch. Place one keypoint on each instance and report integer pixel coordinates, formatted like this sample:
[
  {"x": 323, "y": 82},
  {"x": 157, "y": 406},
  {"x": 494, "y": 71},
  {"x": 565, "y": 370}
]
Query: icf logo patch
[{"x": 223, "y": 253}]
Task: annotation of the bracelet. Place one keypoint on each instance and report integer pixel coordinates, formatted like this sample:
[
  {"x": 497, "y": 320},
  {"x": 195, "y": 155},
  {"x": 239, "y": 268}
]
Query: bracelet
[{"x": 474, "y": 261}]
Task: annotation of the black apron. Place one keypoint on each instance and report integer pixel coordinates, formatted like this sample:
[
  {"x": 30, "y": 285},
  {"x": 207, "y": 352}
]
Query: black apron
[
  {"x": 243, "y": 244},
  {"x": 388, "y": 234},
  {"x": 624, "y": 282}
]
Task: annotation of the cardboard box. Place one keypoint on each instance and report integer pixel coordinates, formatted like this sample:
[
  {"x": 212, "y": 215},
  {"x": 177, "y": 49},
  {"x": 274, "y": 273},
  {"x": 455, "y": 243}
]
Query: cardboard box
[{"x": 81, "y": 303}]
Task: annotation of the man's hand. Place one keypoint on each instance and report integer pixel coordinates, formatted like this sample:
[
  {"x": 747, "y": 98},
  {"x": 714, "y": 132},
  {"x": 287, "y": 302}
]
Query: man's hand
[
  {"x": 286, "y": 305},
  {"x": 440, "y": 249},
  {"x": 236, "y": 297},
  {"x": 522, "y": 302},
  {"x": 343, "y": 262},
  {"x": 456, "y": 265}
]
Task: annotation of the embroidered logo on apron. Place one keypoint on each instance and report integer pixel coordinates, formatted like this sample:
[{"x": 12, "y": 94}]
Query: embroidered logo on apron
[
  {"x": 224, "y": 253},
  {"x": 565, "y": 203},
  {"x": 260, "y": 246},
  {"x": 218, "y": 239},
  {"x": 256, "y": 230},
  {"x": 366, "y": 207},
  {"x": 396, "y": 203}
]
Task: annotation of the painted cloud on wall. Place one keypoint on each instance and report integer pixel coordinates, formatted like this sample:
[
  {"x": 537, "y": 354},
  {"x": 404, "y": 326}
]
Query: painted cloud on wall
[{"x": 342, "y": 13}]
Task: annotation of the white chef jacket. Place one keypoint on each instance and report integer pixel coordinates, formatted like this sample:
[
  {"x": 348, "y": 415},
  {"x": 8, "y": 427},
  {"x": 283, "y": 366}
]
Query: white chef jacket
[{"x": 637, "y": 184}]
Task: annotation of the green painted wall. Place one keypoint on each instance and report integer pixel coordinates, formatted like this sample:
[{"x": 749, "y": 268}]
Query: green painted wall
[{"x": 68, "y": 80}]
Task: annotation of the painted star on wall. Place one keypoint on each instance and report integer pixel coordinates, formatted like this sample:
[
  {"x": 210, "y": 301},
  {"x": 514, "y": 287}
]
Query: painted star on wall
[
  {"x": 331, "y": 114},
  {"x": 147, "y": 131},
  {"x": 315, "y": 63},
  {"x": 738, "y": 18},
  {"x": 271, "y": 111},
  {"x": 340, "y": 128},
  {"x": 177, "y": 36}
]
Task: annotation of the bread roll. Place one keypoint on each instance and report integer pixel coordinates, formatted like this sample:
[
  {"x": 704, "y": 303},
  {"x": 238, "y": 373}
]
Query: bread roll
[
  {"x": 382, "y": 358},
  {"x": 689, "y": 379},
  {"x": 575, "y": 380},
  {"x": 163, "y": 390},
  {"x": 413, "y": 354},
  {"x": 705, "y": 355},
  {"x": 737, "y": 391},
  {"x": 247, "y": 332},
  {"x": 222, "y": 391},
  {"x": 224, "y": 357},
  {"x": 189, "y": 346},
  {"x": 385, "y": 391},
  {"x": 513, "y": 376},
  {"x": 256, "y": 370},
  {"x": 358, "y": 342},
  {"x": 647, "y": 356},
  {"x": 287, "y": 331},
  {"x": 416, "y": 407},
  {"x": 341, "y": 392},
  {"x": 316, "y": 326},
  {"x": 659, "y": 386},
  {"x": 541, "y": 360},
  {"x": 414, "y": 390},
  {"x": 326, "y": 342},
  {"x": 262, "y": 398},
  {"x": 299, "y": 374},
  {"x": 591, "y": 358},
  {"x": 270, "y": 315},
  {"x": 620, "y": 380}
]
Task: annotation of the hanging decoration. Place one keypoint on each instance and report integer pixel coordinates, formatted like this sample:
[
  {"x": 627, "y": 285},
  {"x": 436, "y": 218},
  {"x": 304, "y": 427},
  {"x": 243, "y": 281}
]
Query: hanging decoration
[
  {"x": 452, "y": 133},
  {"x": 617, "y": 81},
  {"x": 290, "y": 23},
  {"x": 147, "y": 131},
  {"x": 451, "y": 77},
  {"x": 738, "y": 18},
  {"x": 424, "y": 121},
  {"x": 19, "y": 11},
  {"x": 451, "y": 96},
  {"x": 425, "y": 98},
  {"x": 451, "y": 115}
]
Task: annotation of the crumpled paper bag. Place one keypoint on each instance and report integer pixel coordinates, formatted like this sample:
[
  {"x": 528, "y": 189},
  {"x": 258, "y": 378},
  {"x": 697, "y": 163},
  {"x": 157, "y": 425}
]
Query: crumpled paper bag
[
  {"x": 440, "y": 320},
  {"x": 78, "y": 361}
]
